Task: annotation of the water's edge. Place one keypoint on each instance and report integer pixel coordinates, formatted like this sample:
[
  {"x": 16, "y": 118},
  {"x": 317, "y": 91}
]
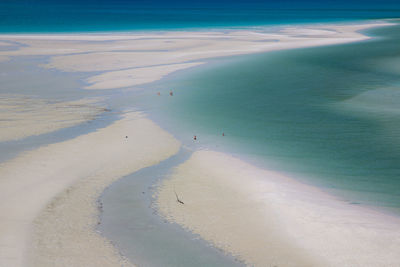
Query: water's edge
[
  {"x": 149, "y": 229},
  {"x": 128, "y": 214}
]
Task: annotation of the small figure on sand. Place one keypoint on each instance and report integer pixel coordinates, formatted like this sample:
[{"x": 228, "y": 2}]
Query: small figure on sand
[
  {"x": 158, "y": 93},
  {"x": 194, "y": 138},
  {"x": 171, "y": 93}
]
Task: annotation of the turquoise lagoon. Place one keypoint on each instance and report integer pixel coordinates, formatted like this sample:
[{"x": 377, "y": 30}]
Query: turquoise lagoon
[{"x": 328, "y": 115}]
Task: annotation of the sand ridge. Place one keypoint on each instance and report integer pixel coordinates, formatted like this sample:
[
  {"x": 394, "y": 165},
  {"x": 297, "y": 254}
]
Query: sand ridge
[
  {"x": 136, "y": 76},
  {"x": 48, "y": 195}
]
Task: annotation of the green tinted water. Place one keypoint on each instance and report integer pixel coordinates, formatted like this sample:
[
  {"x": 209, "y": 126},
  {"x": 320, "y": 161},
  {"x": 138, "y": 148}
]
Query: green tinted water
[{"x": 329, "y": 115}]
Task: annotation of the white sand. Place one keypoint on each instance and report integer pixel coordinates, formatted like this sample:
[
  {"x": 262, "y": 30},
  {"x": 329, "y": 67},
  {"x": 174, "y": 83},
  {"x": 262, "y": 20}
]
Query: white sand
[
  {"x": 267, "y": 219},
  {"x": 61, "y": 182},
  {"x": 5, "y": 44},
  {"x": 128, "y": 59},
  {"x": 23, "y": 116},
  {"x": 131, "y": 77}
]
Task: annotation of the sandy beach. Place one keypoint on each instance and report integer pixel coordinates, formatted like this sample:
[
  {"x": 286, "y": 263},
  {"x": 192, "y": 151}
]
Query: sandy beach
[
  {"x": 48, "y": 195},
  {"x": 265, "y": 218}
]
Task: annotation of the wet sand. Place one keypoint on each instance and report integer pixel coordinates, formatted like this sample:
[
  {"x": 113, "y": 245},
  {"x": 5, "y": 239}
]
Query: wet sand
[
  {"x": 24, "y": 116},
  {"x": 267, "y": 219},
  {"x": 129, "y": 219},
  {"x": 48, "y": 195}
]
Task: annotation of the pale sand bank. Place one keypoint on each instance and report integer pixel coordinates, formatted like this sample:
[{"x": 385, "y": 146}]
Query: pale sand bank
[
  {"x": 137, "y": 76},
  {"x": 61, "y": 183},
  {"x": 5, "y": 44},
  {"x": 136, "y": 58},
  {"x": 23, "y": 116},
  {"x": 267, "y": 219}
]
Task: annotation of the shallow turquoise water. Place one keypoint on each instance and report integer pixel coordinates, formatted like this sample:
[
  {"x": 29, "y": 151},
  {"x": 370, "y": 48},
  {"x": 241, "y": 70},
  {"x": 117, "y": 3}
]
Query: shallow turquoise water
[{"x": 328, "y": 115}]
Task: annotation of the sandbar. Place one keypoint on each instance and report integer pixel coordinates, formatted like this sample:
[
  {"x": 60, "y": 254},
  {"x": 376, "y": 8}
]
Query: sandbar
[
  {"x": 265, "y": 218},
  {"x": 48, "y": 195}
]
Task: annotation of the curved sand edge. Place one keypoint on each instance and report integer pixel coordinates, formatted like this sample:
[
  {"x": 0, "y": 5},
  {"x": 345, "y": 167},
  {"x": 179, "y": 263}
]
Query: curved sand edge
[
  {"x": 24, "y": 116},
  {"x": 132, "y": 77},
  {"x": 129, "y": 59},
  {"x": 48, "y": 195},
  {"x": 267, "y": 219}
]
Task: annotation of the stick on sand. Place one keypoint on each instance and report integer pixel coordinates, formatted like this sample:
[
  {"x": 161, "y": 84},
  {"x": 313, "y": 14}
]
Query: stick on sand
[{"x": 177, "y": 198}]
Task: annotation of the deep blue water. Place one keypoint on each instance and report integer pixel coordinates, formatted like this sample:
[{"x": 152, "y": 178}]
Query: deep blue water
[{"x": 85, "y": 16}]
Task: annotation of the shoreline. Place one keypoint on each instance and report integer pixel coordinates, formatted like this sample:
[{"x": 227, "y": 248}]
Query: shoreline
[
  {"x": 119, "y": 67},
  {"x": 203, "y": 29},
  {"x": 116, "y": 59},
  {"x": 129, "y": 214},
  {"x": 296, "y": 223}
]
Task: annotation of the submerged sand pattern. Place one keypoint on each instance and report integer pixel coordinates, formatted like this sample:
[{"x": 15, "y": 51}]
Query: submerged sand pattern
[
  {"x": 48, "y": 195},
  {"x": 23, "y": 116},
  {"x": 130, "y": 59}
]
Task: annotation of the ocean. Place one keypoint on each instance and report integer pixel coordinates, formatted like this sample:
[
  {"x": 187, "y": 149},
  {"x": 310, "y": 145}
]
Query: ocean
[{"x": 27, "y": 16}]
